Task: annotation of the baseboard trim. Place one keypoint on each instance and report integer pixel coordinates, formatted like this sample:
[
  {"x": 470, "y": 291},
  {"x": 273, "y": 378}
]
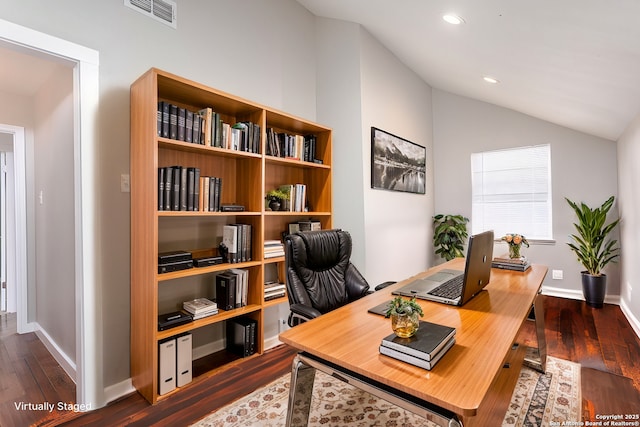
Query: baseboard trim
[
  {"x": 576, "y": 295},
  {"x": 633, "y": 320},
  {"x": 61, "y": 357},
  {"x": 118, "y": 390}
]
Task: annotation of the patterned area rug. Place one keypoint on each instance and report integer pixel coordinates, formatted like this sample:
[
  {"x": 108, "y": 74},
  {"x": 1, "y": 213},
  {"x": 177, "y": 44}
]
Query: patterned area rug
[{"x": 538, "y": 399}]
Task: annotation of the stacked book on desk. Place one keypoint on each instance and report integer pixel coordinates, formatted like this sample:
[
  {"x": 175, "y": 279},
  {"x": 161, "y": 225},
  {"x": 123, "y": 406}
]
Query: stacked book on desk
[
  {"x": 200, "y": 307},
  {"x": 424, "y": 349},
  {"x": 517, "y": 264}
]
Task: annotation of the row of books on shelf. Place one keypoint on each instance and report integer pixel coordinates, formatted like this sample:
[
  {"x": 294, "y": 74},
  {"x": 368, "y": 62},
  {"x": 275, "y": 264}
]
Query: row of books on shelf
[
  {"x": 182, "y": 188},
  {"x": 507, "y": 263},
  {"x": 274, "y": 290},
  {"x": 288, "y": 146},
  {"x": 232, "y": 287},
  {"x": 430, "y": 343},
  {"x": 205, "y": 127},
  {"x": 237, "y": 240},
  {"x": 297, "y": 201}
]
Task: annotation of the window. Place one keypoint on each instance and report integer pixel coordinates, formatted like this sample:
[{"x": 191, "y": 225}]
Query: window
[{"x": 511, "y": 192}]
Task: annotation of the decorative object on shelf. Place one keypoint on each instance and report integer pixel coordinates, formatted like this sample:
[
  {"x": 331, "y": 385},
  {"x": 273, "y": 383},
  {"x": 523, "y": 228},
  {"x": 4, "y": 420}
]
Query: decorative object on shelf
[
  {"x": 396, "y": 163},
  {"x": 593, "y": 249},
  {"x": 515, "y": 242},
  {"x": 449, "y": 234},
  {"x": 276, "y": 198},
  {"x": 404, "y": 316}
]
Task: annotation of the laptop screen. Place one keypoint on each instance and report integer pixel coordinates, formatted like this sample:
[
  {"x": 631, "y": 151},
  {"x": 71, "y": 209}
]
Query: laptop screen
[{"x": 477, "y": 269}]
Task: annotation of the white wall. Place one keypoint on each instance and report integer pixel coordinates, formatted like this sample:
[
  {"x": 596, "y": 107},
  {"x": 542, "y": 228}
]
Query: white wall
[
  {"x": 583, "y": 168},
  {"x": 629, "y": 206}
]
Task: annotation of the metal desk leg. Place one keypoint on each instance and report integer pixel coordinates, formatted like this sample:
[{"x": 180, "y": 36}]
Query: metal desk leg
[
  {"x": 540, "y": 361},
  {"x": 300, "y": 393},
  {"x": 538, "y": 309}
]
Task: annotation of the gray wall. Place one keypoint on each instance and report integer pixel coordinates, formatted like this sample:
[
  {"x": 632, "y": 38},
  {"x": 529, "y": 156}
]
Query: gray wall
[
  {"x": 262, "y": 51},
  {"x": 362, "y": 84},
  {"x": 583, "y": 168}
]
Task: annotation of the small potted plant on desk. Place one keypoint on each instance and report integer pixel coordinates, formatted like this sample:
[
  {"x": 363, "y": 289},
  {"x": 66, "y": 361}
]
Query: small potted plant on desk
[
  {"x": 592, "y": 248},
  {"x": 404, "y": 316},
  {"x": 276, "y": 198}
]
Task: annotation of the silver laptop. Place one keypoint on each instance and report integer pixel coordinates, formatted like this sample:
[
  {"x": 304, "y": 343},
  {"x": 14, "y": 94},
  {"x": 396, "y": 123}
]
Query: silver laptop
[{"x": 456, "y": 287}]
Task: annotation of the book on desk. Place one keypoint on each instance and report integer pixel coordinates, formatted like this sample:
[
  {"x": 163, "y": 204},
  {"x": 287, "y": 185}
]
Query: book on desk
[
  {"x": 424, "y": 349},
  {"x": 506, "y": 263}
]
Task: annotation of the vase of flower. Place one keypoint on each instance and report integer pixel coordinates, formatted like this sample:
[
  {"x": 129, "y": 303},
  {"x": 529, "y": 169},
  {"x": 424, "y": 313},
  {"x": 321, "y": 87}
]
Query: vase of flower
[{"x": 515, "y": 242}]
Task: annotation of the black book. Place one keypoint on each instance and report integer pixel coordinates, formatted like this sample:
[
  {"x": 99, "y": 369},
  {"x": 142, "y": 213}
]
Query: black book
[
  {"x": 196, "y": 188},
  {"x": 163, "y": 126},
  {"x": 175, "y": 193},
  {"x": 183, "y": 188},
  {"x": 425, "y": 344},
  {"x": 160, "y": 189},
  {"x": 173, "y": 121},
  {"x": 197, "y": 133},
  {"x": 191, "y": 184},
  {"x": 168, "y": 187},
  {"x": 182, "y": 123},
  {"x": 188, "y": 126},
  {"x": 226, "y": 291},
  {"x": 241, "y": 336}
]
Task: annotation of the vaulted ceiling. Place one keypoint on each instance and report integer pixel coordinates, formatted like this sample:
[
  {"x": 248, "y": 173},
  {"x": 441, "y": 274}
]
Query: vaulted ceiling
[{"x": 575, "y": 63}]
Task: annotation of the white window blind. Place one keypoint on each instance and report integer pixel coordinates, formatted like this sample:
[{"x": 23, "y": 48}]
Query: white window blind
[{"x": 511, "y": 192}]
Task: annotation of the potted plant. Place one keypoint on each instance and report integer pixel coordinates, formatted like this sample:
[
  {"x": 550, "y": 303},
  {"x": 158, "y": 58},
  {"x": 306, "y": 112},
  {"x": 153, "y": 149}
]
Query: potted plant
[
  {"x": 449, "y": 234},
  {"x": 404, "y": 316},
  {"x": 593, "y": 249},
  {"x": 275, "y": 198}
]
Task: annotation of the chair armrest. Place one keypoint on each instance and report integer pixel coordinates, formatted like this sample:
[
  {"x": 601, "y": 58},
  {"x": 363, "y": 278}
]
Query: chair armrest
[
  {"x": 305, "y": 311},
  {"x": 357, "y": 286},
  {"x": 384, "y": 285}
]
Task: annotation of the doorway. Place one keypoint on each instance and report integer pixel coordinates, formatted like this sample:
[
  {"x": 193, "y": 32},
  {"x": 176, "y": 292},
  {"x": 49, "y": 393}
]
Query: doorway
[{"x": 86, "y": 309}]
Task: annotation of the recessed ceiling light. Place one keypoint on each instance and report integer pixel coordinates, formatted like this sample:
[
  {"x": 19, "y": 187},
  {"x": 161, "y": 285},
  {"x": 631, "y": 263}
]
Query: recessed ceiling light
[
  {"x": 453, "y": 19},
  {"x": 491, "y": 80}
]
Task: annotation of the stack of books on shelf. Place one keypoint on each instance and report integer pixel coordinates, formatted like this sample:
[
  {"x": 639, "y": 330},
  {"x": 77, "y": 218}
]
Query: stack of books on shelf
[
  {"x": 232, "y": 287},
  {"x": 294, "y": 147},
  {"x": 516, "y": 264},
  {"x": 206, "y": 127},
  {"x": 200, "y": 308},
  {"x": 424, "y": 349},
  {"x": 181, "y": 188},
  {"x": 273, "y": 249},
  {"x": 274, "y": 290}
]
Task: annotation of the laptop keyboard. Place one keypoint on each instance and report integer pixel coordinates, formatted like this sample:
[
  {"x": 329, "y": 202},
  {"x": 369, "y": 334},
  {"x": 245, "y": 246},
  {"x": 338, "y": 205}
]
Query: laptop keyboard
[{"x": 450, "y": 289}]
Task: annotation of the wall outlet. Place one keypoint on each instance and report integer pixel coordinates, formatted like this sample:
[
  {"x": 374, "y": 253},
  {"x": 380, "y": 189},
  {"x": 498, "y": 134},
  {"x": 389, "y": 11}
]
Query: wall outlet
[
  {"x": 124, "y": 183},
  {"x": 557, "y": 274}
]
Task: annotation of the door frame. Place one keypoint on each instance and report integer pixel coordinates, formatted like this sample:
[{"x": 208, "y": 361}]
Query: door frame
[{"x": 88, "y": 311}]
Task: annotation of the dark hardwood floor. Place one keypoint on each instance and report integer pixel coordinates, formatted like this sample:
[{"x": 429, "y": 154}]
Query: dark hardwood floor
[{"x": 601, "y": 340}]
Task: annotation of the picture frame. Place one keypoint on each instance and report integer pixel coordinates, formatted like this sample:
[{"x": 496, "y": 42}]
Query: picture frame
[{"x": 397, "y": 164}]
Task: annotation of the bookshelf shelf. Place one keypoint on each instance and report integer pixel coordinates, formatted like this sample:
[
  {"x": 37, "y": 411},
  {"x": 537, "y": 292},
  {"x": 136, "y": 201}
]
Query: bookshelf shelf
[{"x": 245, "y": 178}]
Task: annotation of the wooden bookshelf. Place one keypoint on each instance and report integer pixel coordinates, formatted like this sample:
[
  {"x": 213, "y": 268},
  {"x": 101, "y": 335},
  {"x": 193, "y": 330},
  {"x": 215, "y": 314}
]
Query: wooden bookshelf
[{"x": 246, "y": 177}]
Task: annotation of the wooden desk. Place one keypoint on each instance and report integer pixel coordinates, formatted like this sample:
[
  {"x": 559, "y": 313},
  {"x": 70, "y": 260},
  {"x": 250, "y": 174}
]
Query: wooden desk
[{"x": 486, "y": 326}]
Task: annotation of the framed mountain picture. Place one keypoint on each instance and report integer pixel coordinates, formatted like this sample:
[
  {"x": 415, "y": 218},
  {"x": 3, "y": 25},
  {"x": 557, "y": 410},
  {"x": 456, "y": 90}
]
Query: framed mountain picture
[{"x": 396, "y": 163}]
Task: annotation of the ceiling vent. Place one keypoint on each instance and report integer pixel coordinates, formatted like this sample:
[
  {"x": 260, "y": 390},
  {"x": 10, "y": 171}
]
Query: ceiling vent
[{"x": 164, "y": 11}]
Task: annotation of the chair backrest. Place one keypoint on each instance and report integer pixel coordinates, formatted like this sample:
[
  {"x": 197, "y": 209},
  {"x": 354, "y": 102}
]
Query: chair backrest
[{"x": 317, "y": 263}]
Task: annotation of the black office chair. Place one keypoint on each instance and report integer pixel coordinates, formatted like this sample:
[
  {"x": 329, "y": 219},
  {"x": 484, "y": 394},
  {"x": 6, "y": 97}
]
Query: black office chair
[{"x": 320, "y": 276}]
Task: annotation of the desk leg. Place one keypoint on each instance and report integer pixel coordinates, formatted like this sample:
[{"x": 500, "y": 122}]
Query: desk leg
[
  {"x": 300, "y": 393},
  {"x": 538, "y": 309}
]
